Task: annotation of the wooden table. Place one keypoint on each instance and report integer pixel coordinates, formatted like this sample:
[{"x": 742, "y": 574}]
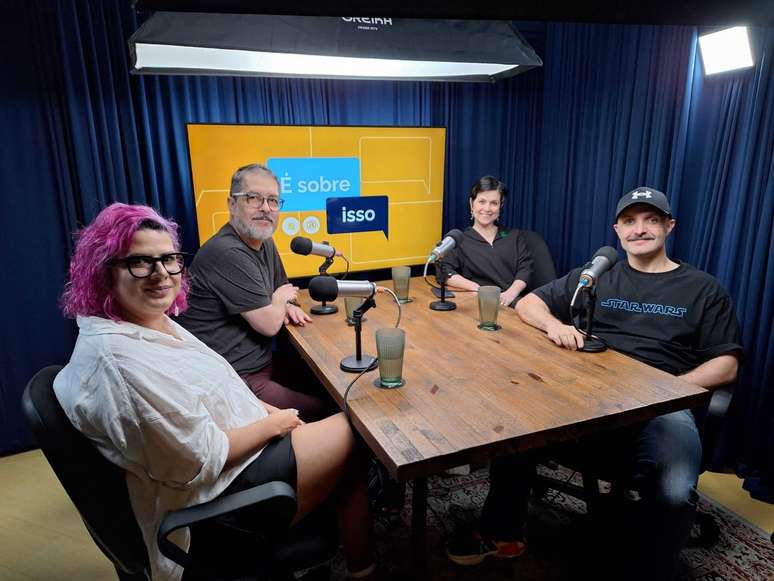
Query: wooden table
[{"x": 471, "y": 394}]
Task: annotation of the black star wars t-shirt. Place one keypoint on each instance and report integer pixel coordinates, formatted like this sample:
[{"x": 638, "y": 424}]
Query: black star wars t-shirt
[{"x": 674, "y": 320}]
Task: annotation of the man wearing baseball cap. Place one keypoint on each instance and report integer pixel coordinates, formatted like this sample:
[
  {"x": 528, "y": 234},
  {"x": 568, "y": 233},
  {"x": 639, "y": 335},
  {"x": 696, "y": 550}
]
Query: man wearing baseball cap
[
  {"x": 669, "y": 315},
  {"x": 666, "y": 314}
]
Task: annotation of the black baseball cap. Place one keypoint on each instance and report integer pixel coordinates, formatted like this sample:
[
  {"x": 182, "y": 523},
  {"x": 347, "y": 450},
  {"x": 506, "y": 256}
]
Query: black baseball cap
[{"x": 644, "y": 195}]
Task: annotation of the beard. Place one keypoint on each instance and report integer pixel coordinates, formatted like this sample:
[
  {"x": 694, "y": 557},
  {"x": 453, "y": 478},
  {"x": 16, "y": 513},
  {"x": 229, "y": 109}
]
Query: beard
[{"x": 254, "y": 231}]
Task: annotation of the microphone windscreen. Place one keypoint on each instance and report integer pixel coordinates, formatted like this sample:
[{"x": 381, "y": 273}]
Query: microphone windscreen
[
  {"x": 301, "y": 245},
  {"x": 456, "y": 235},
  {"x": 607, "y": 252},
  {"x": 324, "y": 288}
]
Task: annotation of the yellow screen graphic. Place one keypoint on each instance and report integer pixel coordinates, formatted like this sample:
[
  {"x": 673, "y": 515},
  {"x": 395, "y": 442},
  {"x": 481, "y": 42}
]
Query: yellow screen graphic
[{"x": 395, "y": 171}]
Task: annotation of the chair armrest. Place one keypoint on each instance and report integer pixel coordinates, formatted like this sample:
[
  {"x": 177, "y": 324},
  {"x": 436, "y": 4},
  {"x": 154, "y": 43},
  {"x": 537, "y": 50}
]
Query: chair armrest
[
  {"x": 278, "y": 498},
  {"x": 720, "y": 401}
]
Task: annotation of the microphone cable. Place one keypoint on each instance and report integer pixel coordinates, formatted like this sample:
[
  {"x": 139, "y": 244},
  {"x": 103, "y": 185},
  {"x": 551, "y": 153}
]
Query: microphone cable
[
  {"x": 359, "y": 375},
  {"x": 572, "y": 318},
  {"x": 424, "y": 275},
  {"x": 349, "y": 387},
  {"x": 574, "y": 297},
  {"x": 397, "y": 302},
  {"x": 346, "y": 272}
]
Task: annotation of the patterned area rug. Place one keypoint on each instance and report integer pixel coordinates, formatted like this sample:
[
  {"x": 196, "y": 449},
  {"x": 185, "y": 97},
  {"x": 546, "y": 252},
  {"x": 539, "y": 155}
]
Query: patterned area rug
[{"x": 557, "y": 528}]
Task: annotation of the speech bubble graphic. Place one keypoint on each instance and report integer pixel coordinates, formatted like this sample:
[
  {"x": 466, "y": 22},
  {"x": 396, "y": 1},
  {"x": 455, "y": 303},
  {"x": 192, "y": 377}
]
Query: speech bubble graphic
[
  {"x": 361, "y": 214},
  {"x": 306, "y": 182}
]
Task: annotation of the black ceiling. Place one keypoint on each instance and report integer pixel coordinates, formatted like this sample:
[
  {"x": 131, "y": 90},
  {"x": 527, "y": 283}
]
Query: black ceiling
[{"x": 695, "y": 12}]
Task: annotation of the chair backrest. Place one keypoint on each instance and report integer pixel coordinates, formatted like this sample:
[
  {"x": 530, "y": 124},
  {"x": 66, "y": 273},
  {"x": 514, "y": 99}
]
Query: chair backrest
[
  {"x": 544, "y": 269},
  {"x": 96, "y": 486}
]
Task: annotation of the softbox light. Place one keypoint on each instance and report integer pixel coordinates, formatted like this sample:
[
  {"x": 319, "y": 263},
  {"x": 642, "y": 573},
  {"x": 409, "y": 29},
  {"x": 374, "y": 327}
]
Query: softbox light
[{"x": 185, "y": 43}]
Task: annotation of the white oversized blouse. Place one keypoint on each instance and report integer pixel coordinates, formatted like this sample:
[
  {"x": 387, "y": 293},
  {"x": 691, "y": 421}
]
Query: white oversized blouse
[{"x": 157, "y": 406}]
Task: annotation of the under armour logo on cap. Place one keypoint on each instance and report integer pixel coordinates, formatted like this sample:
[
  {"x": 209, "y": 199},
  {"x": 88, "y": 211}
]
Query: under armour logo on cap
[{"x": 644, "y": 195}]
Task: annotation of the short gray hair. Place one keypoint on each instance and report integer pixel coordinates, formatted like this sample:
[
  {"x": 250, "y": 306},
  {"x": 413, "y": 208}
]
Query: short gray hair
[{"x": 237, "y": 180}]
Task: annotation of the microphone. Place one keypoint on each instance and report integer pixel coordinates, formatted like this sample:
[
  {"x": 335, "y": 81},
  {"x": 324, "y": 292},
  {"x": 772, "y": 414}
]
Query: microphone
[
  {"x": 327, "y": 288},
  {"x": 602, "y": 261},
  {"x": 450, "y": 241},
  {"x": 305, "y": 246}
]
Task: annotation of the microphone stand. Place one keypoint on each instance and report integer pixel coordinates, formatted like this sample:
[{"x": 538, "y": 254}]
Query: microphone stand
[
  {"x": 358, "y": 362},
  {"x": 591, "y": 344},
  {"x": 442, "y": 275},
  {"x": 323, "y": 308}
]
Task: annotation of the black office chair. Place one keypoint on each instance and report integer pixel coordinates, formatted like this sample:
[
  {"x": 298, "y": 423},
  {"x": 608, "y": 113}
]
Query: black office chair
[
  {"x": 98, "y": 490},
  {"x": 711, "y": 422},
  {"x": 544, "y": 270}
]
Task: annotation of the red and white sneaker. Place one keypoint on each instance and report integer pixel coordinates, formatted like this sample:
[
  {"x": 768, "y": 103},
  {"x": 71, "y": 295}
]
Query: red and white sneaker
[{"x": 471, "y": 548}]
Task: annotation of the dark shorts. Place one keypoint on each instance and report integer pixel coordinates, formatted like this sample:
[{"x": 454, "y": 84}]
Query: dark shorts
[
  {"x": 235, "y": 532},
  {"x": 276, "y": 462}
]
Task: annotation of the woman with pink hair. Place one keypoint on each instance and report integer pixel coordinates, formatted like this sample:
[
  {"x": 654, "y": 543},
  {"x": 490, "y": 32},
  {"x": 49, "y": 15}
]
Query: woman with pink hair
[{"x": 173, "y": 413}]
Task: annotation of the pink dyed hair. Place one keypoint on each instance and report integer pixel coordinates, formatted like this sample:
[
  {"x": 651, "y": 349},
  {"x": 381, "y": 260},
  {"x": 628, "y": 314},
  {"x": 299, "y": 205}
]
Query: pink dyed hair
[{"x": 89, "y": 291}]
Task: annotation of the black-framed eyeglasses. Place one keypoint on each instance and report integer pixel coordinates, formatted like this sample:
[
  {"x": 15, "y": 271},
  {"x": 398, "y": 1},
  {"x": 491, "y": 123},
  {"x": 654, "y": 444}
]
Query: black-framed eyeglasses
[
  {"x": 256, "y": 200},
  {"x": 140, "y": 266}
]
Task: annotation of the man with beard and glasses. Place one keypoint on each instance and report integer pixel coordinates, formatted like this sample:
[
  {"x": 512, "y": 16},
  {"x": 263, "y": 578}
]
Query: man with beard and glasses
[
  {"x": 671, "y": 316},
  {"x": 240, "y": 296}
]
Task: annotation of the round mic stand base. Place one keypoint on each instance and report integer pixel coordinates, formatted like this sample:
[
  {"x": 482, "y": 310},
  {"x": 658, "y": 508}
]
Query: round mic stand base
[
  {"x": 324, "y": 309},
  {"x": 591, "y": 345},
  {"x": 352, "y": 364},
  {"x": 441, "y": 274},
  {"x": 443, "y": 305}
]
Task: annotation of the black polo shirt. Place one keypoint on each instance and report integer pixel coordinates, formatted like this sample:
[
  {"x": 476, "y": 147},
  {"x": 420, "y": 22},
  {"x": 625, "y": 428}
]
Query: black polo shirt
[{"x": 498, "y": 264}]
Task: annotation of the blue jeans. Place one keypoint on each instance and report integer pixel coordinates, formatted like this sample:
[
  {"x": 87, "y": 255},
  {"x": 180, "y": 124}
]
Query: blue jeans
[{"x": 661, "y": 460}]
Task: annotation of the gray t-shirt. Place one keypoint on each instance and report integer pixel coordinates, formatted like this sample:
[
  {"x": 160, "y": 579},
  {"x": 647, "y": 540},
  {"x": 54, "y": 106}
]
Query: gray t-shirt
[{"x": 228, "y": 278}]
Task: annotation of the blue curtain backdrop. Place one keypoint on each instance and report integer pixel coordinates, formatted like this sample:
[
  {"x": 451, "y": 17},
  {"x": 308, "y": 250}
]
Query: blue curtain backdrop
[
  {"x": 613, "y": 108},
  {"x": 727, "y": 220},
  {"x": 614, "y": 118}
]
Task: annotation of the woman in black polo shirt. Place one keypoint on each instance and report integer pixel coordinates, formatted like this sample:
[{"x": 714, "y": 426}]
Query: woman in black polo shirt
[{"x": 490, "y": 255}]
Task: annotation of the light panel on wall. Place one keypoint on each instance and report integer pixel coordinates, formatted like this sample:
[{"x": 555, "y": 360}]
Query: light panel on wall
[
  {"x": 725, "y": 50},
  {"x": 329, "y": 47}
]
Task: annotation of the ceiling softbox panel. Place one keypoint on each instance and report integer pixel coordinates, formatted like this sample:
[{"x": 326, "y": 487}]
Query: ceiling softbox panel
[{"x": 329, "y": 47}]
